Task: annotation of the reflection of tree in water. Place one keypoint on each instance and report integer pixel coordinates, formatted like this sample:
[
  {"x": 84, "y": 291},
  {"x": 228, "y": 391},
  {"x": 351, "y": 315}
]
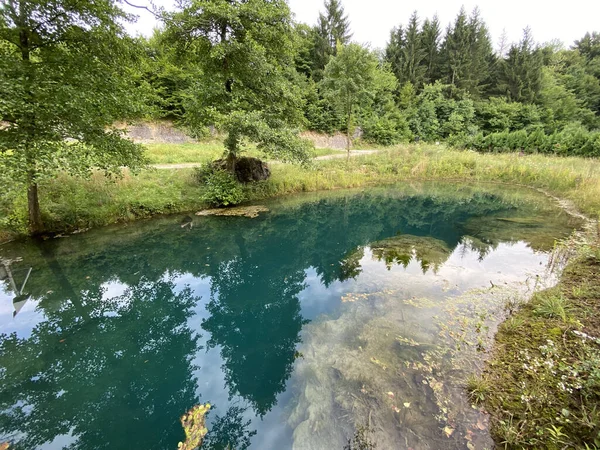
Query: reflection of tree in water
[
  {"x": 230, "y": 431},
  {"x": 255, "y": 319},
  {"x": 257, "y": 269},
  {"x": 100, "y": 373}
]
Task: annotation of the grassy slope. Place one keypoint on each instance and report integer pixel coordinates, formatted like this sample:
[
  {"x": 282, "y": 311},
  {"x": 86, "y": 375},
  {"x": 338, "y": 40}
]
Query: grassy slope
[{"x": 70, "y": 203}]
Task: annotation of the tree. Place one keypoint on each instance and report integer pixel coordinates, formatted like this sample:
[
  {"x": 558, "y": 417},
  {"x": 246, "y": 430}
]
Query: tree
[
  {"x": 245, "y": 52},
  {"x": 64, "y": 81},
  {"x": 414, "y": 53},
  {"x": 521, "y": 72},
  {"x": 351, "y": 80},
  {"x": 430, "y": 42},
  {"x": 333, "y": 27},
  {"x": 466, "y": 53}
]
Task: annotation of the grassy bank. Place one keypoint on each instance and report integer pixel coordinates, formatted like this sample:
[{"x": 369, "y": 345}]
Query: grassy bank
[
  {"x": 542, "y": 383},
  {"x": 69, "y": 203}
]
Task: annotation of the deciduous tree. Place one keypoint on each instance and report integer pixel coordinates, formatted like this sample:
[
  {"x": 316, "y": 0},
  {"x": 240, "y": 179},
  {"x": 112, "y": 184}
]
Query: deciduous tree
[{"x": 64, "y": 81}]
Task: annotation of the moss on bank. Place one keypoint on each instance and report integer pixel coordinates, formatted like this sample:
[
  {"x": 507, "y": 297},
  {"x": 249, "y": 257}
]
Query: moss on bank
[
  {"x": 545, "y": 369},
  {"x": 69, "y": 203}
]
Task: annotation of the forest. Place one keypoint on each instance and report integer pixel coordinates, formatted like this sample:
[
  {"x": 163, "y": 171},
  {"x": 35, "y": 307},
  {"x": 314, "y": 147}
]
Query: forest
[{"x": 430, "y": 83}]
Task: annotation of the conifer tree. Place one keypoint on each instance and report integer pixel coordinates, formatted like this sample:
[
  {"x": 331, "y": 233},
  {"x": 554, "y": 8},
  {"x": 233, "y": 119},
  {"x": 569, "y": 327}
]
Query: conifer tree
[
  {"x": 430, "y": 42},
  {"x": 333, "y": 27},
  {"x": 467, "y": 53},
  {"x": 394, "y": 55},
  {"x": 414, "y": 53},
  {"x": 520, "y": 75}
]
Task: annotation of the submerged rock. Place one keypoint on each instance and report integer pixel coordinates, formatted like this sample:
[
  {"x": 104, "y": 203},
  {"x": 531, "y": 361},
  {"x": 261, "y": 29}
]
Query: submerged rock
[
  {"x": 430, "y": 252},
  {"x": 244, "y": 211}
]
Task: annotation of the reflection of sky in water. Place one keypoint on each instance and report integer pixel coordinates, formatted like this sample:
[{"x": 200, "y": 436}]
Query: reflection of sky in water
[
  {"x": 462, "y": 271},
  {"x": 266, "y": 271}
]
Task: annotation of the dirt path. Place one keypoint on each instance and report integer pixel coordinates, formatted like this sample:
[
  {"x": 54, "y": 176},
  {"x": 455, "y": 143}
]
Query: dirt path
[{"x": 342, "y": 154}]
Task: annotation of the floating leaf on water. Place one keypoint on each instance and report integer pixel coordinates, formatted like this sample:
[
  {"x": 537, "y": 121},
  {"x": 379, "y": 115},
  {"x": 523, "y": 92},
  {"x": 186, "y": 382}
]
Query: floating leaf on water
[
  {"x": 448, "y": 431},
  {"x": 194, "y": 426}
]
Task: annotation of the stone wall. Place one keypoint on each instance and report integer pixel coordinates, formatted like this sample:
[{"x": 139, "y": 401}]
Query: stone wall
[{"x": 163, "y": 132}]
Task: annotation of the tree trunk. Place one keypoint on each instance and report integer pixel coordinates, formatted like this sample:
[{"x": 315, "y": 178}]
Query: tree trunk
[
  {"x": 230, "y": 161},
  {"x": 36, "y": 226},
  {"x": 348, "y": 141}
]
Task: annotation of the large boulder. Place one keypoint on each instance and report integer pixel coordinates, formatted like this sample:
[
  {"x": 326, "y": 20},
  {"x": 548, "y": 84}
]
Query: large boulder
[{"x": 251, "y": 169}]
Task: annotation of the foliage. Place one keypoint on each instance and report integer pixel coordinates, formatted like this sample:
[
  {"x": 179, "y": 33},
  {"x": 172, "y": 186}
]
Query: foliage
[
  {"x": 352, "y": 79},
  {"x": 65, "y": 79},
  {"x": 247, "y": 48},
  {"x": 222, "y": 189},
  {"x": 332, "y": 29},
  {"x": 194, "y": 425},
  {"x": 573, "y": 140}
]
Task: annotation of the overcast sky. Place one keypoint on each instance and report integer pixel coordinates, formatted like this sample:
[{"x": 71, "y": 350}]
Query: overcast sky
[{"x": 372, "y": 20}]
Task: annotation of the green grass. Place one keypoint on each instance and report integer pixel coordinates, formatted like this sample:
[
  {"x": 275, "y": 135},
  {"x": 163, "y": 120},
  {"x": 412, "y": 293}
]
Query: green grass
[
  {"x": 184, "y": 153},
  {"x": 546, "y": 376},
  {"x": 69, "y": 203},
  {"x": 204, "y": 151}
]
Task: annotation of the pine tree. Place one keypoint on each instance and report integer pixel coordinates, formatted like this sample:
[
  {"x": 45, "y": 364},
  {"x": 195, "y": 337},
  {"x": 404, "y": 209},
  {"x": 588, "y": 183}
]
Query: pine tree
[
  {"x": 521, "y": 71},
  {"x": 333, "y": 27},
  {"x": 430, "y": 42}
]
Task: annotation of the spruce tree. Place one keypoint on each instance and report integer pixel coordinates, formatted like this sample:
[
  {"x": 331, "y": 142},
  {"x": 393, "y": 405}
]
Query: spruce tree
[
  {"x": 414, "y": 53},
  {"x": 520, "y": 75},
  {"x": 430, "y": 43},
  {"x": 333, "y": 27},
  {"x": 394, "y": 54},
  {"x": 467, "y": 54}
]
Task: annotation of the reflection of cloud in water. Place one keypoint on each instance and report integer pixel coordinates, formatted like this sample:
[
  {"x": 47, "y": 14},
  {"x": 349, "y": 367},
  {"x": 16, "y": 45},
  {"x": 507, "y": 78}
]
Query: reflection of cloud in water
[
  {"x": 211, "y": 384},
  {"x": 24, "y": 323},
  {"x": 352, "y": 360}
]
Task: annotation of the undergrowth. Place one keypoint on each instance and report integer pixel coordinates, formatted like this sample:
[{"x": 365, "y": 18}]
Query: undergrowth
[{"x": 545, "y": 369}]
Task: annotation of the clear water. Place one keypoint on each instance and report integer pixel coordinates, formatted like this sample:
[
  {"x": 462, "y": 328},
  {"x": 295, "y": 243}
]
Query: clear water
[{"x": 332, "y": 312}]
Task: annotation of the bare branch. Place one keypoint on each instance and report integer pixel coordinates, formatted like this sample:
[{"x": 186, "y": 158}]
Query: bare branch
[{"x": 152, "y": 9}]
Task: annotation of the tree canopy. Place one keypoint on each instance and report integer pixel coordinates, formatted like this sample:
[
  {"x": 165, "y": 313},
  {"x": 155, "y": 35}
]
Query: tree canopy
[{"x": 65, "y": 80}]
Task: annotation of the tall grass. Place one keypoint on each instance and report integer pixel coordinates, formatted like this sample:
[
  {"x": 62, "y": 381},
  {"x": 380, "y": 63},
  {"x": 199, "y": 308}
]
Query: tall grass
[{"x": 69, "y": 203}]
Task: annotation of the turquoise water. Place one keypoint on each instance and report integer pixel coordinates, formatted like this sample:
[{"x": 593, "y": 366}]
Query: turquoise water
[{"x": 330, "y": 313}]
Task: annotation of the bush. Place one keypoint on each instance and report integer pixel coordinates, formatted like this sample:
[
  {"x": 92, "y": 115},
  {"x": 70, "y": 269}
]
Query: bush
[
  {"x": 387, "y": 130},
  {"x": 222, "y": 188},
  {"x": 574, "y": 140}
]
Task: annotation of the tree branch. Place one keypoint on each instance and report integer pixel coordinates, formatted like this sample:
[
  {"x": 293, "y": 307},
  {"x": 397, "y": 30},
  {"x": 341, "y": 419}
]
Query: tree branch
[{"x": 152, "y": 11}]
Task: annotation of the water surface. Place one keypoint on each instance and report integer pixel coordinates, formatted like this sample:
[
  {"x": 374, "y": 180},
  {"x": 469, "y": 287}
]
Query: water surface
[{"x": 331, "y": 313}]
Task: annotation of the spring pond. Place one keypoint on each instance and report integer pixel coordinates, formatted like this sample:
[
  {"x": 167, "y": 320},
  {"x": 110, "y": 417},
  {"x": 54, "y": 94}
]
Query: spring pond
[{"x": 331, "y": 313}]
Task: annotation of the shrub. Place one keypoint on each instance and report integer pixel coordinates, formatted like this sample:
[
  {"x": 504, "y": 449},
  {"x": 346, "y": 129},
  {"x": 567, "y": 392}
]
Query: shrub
[{"x": 222, "y": 188}]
